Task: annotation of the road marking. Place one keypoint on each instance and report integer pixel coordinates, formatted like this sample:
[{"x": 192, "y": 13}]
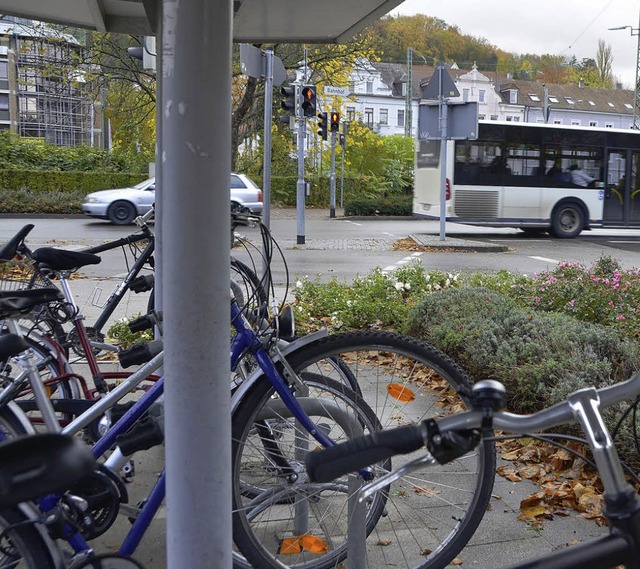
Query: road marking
[
  {"x": 545, "y": 259},
  {"x": 349, "y": 221},
  {"x": 401, "y": 262},
  {"x": 621, "y": 241}
]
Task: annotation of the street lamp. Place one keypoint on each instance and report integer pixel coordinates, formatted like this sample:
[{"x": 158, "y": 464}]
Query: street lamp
[{"x": 636, "y": 102}]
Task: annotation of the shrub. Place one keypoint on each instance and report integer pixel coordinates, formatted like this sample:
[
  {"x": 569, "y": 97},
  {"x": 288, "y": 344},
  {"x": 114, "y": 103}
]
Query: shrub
[
  {"x": 120, "y": 334},
  {"x": 393, "y": 205}
]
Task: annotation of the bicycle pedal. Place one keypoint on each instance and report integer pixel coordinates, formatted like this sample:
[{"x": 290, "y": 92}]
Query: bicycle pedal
[{"x": 128, "y": 471}]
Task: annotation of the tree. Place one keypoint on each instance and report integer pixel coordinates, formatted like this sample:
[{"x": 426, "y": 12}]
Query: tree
[{"x": 604, "y": 63}]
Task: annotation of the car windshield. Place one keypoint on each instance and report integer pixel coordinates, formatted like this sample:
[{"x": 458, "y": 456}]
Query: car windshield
[{"x": 143, "y": 185}]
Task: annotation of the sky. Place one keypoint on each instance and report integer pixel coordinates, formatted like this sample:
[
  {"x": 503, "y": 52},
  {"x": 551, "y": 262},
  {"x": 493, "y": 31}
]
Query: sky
[{"x": 558, "y": 27}]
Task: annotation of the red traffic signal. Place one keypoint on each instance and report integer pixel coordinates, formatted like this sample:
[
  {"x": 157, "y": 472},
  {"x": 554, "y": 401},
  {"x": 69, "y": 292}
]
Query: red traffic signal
[
  {"x": 335, "y": 122},
  {"x": 309, "y": 101}
]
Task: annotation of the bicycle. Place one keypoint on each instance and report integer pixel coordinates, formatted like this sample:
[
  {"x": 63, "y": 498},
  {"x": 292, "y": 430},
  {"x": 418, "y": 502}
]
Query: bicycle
[
  {"x": 448, "y": 437},
  {"x": 395, "y": 375}
]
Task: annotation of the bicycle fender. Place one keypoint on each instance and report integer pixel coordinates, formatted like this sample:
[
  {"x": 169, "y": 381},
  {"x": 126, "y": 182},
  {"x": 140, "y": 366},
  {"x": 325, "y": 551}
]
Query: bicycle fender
[{"x": 285, "y": 350}]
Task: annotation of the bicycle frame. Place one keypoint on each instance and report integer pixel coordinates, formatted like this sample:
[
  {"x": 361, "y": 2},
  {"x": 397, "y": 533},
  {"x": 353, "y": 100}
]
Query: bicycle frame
[{"x": 245, "y": 340}]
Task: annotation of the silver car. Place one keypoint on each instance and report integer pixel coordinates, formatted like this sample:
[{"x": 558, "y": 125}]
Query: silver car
[{"x": 121, "y": 206}]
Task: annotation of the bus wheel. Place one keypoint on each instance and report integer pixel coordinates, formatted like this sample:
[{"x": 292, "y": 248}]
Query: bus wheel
[{"x": 567, "y": 220}]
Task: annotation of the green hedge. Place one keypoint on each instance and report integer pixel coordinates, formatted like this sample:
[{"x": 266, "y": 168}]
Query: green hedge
[
  {"x": 283, "y": 189},
  {"x": 392, "y": 205},
  {"x": 38, "y": 181}
]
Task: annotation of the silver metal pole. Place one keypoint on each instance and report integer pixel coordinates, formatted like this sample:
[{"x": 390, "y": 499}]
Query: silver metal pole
[
  {"x": 443, "y": 157},
  {"x": 300, "y": 185},
  {"x": 196, "y": 153},
  {"x": 332, "y": 177},
  {"x": 268, "y": 114}
]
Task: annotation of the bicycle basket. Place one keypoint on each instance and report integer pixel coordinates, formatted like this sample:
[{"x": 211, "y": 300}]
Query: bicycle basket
[{"x": 21, "y": 274}]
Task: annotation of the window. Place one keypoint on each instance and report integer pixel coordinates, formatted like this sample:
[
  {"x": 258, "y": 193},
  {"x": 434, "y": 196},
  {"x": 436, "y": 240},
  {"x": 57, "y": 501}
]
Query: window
[
  {"x": 369, "y": 87},
  {"x": 569, "y": 100},
  {"x": 516, "y": 119},
  {"x": 494, "y": 117},
  {"x": 593, "y": 123},
  {"x": 351, "y": 113},
  {"x": 553, "y": 99},
  {"x": 608, "y": 125},
  {"x": 628, "y": 106},
  {"x": 384, "y": 116},
  {"x": 575, "y": 122},
  {"x": 481, "y": 117},
  {"x": 557, "y": 121},
  {"x": 509, "y": 118},
  {"x": 368, "y": 116},
  {"x": 592, "y": 103},
  {"x": 482, "y": 95},
  {"x": 400, "y": 117},
  {"x": 610, "y": 104},
  {"x": 513, "y": 96},
  {"x": 3, "y": 70},
  {"x": 4, "y": 101},
  {"x": 534, "y": 97},
  {"x": 465, "y": 94}
]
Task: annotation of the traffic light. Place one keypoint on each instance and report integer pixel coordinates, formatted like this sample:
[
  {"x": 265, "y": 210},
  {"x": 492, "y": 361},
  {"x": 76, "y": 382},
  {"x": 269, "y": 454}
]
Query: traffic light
[
  {"x": 335, "y": 122},
  {"x": 323, "y": 125},
  {"x": 289, "y": 102},
  {"x": 309, "y": 101}
]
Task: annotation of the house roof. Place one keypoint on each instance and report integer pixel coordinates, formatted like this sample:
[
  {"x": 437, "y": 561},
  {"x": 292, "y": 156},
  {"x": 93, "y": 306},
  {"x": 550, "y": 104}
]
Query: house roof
[{"x": 565, "y": 96}]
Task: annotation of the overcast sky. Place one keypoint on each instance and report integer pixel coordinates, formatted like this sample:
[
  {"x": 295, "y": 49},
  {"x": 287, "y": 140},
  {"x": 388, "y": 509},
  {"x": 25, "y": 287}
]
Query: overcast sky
[{"x": 559, "y": 27}]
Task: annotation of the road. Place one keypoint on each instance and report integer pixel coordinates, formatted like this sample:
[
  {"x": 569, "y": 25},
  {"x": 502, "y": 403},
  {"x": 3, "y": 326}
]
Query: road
[{"x": 345, "y": 248}]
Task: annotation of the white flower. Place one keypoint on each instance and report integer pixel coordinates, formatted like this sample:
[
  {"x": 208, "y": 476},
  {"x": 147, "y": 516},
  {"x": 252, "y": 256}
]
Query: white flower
[
  {"x": 436, "y": 287},
  {"x": 299, "y": 284},
  {"x": 349, "y": 302},
  {"x": 399, "y": 286},
  {"x": 447, "y": 282},
  {"x": 427, "y": 278},
  {"x": 407, "y": 286},
  {"x": 455, "y": 278}
]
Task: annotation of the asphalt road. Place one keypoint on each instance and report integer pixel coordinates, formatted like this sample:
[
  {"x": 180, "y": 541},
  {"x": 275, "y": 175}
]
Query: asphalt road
[{"x": 345, "y": 248}]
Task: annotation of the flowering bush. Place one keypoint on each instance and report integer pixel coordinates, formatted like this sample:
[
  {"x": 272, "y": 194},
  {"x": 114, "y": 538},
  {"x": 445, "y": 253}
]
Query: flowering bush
[
  {"x": 604, "y": 293},
  {"x": 377, "y": 300}
]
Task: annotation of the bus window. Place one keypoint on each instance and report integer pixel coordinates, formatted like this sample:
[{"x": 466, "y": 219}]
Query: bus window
[
  {"x": 476, "y": 163},
  {"x": 524, "y": 165}
]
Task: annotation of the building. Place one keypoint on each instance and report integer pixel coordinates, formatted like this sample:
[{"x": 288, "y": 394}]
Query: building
[
  {"x": 43, "y": 92},
  {"x": 379, "y": 98}
]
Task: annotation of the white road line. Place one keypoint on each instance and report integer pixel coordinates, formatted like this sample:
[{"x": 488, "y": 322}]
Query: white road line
[
  {"x": 389, "y": 269},
  {"x": 544, "y": 259},
  {"x": 621, "y": 241},
  {"x": 402, "y": 262},
  {"x": 349, "y": 221}
]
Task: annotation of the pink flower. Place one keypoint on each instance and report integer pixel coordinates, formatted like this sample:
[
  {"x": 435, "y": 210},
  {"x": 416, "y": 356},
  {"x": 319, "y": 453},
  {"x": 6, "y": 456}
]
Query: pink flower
[
  {"x": 620, "y": 317},
  {"x": 537, "y": 300},
  {"x": 572, "y": 303},
  {"x": 611, "y": 303}
]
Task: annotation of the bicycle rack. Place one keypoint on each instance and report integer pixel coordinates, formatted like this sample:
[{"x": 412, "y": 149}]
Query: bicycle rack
[{"x": 356, "y": 527}]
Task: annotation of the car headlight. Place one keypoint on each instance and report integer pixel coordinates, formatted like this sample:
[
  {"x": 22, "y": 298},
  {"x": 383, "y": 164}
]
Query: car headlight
[{"x": 92, "y": 200}]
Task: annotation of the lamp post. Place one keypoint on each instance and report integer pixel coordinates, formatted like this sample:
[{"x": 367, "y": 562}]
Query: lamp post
[{"x": 636, "y": 102}]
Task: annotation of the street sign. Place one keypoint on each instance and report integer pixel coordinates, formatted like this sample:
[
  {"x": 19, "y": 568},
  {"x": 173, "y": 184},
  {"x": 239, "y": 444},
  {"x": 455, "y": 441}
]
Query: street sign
[
  {"x": 462, "y": 121},
  {"x": 252, "y": 63},
  {"x": 336, "y": 91},
  {"x": 439, "y": 85}
]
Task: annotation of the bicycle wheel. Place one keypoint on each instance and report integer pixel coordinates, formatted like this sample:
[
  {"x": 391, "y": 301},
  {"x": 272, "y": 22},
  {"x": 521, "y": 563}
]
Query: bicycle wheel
[
  {"x": 433, "y": 512},
  {"x": 279, "y": 516},
  {"x": 48, "y": 370},
  {"x": 23, "y": 544}
]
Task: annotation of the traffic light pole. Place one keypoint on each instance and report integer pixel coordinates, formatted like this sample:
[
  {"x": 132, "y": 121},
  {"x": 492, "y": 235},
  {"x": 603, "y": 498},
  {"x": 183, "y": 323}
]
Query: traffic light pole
[
  {"x": 300, "y": 185},
  {"x": 332, "y": 177}
]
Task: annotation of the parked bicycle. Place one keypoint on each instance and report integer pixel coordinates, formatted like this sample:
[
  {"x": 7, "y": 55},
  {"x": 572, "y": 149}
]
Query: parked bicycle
[{"x": 448, "y": 438}]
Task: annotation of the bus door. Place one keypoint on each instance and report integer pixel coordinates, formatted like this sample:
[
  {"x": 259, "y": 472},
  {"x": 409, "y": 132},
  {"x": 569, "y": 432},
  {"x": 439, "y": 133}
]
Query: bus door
[{"x": 616, "y": 192}]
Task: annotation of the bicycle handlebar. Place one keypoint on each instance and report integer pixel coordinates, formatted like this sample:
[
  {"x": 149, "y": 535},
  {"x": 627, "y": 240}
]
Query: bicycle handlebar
[
  {"x": 9, "y": 250},
  {"x": 355, "y": 454}
]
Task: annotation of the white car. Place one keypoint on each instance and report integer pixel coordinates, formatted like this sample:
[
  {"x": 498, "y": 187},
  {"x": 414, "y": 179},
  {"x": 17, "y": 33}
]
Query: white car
[{"x": 122, "y": 206}]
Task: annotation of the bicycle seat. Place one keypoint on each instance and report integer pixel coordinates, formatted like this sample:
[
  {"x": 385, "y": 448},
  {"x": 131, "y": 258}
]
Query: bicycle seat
[
  {"x": 62, "y": 260},
  {"x": 15, "y": 302},
  {"x": 11, "y": 344},
  {"x": 39, "y": 465},
  {"x": 10, "y": 248}
]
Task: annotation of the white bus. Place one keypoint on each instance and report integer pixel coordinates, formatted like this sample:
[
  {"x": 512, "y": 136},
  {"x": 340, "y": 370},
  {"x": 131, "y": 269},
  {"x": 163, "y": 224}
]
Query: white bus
[{"x": 536, "y": 177}]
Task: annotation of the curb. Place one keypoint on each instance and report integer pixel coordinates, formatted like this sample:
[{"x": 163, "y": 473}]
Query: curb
[{"x": 453, "y": 244}]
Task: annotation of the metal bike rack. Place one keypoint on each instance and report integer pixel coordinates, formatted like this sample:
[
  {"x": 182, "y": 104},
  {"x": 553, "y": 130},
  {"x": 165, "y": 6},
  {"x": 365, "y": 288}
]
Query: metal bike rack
[{"x": 356, "y": 527}]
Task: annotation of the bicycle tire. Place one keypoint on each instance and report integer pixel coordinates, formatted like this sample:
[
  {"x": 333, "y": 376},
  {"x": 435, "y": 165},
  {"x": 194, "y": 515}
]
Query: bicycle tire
[
  {"x": 48, "y": 369},
  {"x": 23, "y": 545},
  {"x": 436, "y": 509},
  {"x": 264, "y": 490}
]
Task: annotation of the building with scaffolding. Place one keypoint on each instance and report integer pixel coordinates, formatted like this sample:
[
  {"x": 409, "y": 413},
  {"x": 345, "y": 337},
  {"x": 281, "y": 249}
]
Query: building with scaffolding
[{"x": 44, "y": 91}]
